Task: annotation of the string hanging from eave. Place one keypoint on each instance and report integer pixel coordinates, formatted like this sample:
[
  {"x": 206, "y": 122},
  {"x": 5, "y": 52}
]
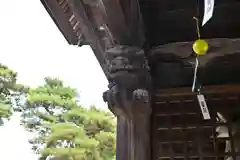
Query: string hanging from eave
[{"x": 200, "y": 47}]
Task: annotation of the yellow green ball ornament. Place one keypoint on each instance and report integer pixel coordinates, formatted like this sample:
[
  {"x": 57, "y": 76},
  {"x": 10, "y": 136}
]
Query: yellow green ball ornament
[{"x": 200, "y": 47}]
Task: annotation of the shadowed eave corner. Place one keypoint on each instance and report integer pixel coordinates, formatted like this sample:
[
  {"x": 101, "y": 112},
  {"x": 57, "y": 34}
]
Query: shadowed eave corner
[{"x": 52, "y": 11}]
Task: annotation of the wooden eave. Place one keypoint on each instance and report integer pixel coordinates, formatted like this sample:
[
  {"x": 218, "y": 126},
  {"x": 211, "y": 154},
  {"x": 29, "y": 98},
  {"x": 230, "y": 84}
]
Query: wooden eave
[
  {"x": 172, "y": 21},
  {"x": 109, "y": 22},
  {"x": 60, "y": 19},
  {"x": 165, "y": 21},
  {"x": 103, "y": 24}
]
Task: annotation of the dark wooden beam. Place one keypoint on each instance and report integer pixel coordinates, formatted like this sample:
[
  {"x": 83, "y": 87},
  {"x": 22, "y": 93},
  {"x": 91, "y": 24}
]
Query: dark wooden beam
[
  {"x": 184, "y": 91},
  {"x": 218, "y": 47},
  {"x": 61, "y": 20},
  {"x": 89, "y": 32},
  {"x": 115, "y": 20},
  {"x": 124, "y": 20},
  {"x": 124, "y": 24},
  {"x": 121, "y": 18},
  {"x": 176, "y": 63}
]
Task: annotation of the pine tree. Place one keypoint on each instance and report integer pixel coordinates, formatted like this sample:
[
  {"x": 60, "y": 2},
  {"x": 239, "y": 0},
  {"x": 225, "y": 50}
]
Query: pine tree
[
  {"x": 11, "y": 93},
  {"x": 64, "y": 129}
]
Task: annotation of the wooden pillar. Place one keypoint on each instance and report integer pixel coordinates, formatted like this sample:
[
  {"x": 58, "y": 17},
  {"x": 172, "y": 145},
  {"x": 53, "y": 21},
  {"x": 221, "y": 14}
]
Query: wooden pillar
[
  {"x": 128, "y": 98},
  {"x": 126, "y": 68}
]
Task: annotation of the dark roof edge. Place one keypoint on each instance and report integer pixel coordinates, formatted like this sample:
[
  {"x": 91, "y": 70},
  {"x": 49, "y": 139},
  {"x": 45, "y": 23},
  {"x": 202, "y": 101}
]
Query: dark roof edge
[{"x": 44, "y": 3}]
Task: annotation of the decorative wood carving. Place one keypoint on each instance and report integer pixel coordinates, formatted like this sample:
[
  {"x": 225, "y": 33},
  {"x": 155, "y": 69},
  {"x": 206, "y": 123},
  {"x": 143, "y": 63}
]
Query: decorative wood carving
[
  {"x": 99, "y": 18},
  {"x": 128, "y": 98}
]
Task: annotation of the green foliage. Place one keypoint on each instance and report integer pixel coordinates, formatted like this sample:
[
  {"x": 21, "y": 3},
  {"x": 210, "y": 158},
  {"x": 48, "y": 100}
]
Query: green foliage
[
  {"x": 64, "y": 129},
  {"x": 10, "y": 92}
]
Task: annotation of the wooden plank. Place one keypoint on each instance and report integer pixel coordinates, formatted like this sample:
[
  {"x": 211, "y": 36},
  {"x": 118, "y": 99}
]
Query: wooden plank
[{"x": 232, "y": 88}]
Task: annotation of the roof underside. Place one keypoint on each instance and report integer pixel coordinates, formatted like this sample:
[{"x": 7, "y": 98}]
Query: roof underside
[
  {"x": 172, "y": 21},
  {"x": 60, "y": 14},
  {"x": 168, "y": 32},
  {"x": 165, "y": 21}
]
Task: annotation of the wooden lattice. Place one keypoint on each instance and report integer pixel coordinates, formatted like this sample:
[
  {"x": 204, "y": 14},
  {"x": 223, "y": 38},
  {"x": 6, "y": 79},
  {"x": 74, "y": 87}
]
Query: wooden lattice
[{"x": 179, "y": 131}]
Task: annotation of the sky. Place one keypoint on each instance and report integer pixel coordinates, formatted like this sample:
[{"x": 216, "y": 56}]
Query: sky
[{"x": 31, "y": 44}]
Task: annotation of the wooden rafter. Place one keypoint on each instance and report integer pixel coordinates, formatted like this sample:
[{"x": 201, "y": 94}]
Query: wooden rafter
[
  {"x": 60, "y": 14},
  {"x": 123, "y": 17},
  {"x": 88, "y": 30}
]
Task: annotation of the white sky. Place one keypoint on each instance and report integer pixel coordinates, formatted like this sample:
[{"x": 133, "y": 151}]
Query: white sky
[{"x": 31, "y": 44}]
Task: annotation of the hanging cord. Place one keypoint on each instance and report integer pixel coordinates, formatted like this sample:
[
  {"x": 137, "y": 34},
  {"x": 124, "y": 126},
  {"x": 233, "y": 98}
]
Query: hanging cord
[
  {"x": 197, "y": 62},
  {"x": 197, "y": 25},
  {"x": 195, "y": 75}
]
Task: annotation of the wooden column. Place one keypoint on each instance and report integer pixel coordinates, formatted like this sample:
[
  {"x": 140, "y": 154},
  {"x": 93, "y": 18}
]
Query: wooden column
[
  {"x": 129, "y": 99},
  {"x": 128, "y": 96},
  {"x": 126, "y": 68}
]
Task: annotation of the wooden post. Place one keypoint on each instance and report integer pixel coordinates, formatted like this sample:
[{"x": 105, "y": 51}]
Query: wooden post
[
  {"x": 128, "y": 98},
  {"x": 127, "y": 70}
]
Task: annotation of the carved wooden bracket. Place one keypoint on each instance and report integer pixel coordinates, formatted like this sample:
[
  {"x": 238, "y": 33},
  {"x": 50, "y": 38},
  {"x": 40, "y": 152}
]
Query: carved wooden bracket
[{"x": 128, "y": 98}]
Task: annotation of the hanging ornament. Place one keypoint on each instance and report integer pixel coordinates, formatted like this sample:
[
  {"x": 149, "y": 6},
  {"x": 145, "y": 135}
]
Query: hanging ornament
[{"x": 200, "y": 47}]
